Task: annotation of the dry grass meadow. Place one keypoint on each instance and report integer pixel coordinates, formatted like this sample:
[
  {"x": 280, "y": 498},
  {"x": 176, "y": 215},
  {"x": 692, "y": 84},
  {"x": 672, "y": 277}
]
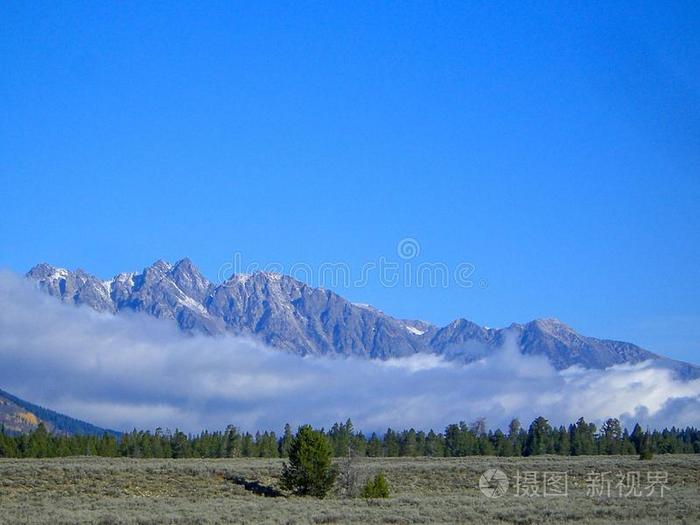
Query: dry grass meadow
[{"x": 424, "y": 490}]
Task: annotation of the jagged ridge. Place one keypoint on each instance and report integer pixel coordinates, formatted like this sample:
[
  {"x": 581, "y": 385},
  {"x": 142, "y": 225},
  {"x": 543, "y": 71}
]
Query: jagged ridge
[{"x": 295, "y": 317}]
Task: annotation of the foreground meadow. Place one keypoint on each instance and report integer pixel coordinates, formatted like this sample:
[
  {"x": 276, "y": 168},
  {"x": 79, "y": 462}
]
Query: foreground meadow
[{"x": 424, "y": 490}]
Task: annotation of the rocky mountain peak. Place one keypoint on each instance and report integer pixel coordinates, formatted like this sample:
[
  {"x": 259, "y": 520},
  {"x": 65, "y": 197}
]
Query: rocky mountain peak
[
  {"x": 161, "y": 265},
  {"x": 189, "y": 279},
  {"x": 549, "y": 324},
  {"x": 290, "y": 315},
  {"x": 42, "y": 271}
]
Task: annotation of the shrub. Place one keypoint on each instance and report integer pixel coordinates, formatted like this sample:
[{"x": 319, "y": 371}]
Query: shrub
[
  {"x": 309, "y": 471},
  {"x": 646, "y": 455},
  {"x": 348, "y": 476},
  {"x": 376, "y": 487},
  {"x": 646, "y": 451}
]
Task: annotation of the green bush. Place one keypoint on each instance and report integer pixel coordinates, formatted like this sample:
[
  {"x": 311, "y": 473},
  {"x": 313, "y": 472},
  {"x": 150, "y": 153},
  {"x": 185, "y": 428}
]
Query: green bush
[
  {"x": 309, "y": 471},
  {"x": 376, "y": 487},
  {"x": 646, "y": 451},
  {"x": 646, "y": 455}
]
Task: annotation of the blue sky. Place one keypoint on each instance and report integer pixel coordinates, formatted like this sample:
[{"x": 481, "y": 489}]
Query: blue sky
[{"x": 556, "y": 147}]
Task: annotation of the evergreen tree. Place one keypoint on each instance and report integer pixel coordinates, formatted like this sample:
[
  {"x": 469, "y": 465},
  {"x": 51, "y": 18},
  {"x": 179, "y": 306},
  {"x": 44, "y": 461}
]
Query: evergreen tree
[
  {"x": 374, "y": 446},
  {"x": 611, "y": 437},
  {"x": 309, "y": 471},
  {"x": 8, "y": 446},
  {"x": 460, "y": 441},
  {"x": 358, "y": 444},
  {"x": 230, "y": 443},
  {"x": 248, "y": 446},
  {"x": 501, "y": 444},
  {"x": 267, "y": 445},
  {"x": 538, "y": 438},
  {"x": 409, "y": 444},
  {"x": 515, "y": 437},
  {"x": 434, "y": 445},
  {"x": 286, "y": 441},
  {"x": 563, "y": 444},
  {"x": 376, "y": 487},
  {"x": 181, "y": 445},
  {"x": 636, "y": 437},
  {"x": 391, "y": 444},
  {"x": 107, "y": 446},
  {"x": 646, "y": 449},
  {"x": 484, "y": 445},
  {"x": 38, "y": 443},
  {"x": 582, "y": 441}
]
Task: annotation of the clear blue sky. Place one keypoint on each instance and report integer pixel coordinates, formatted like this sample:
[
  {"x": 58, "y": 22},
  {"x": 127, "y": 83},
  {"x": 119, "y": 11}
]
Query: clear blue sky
[{"x": 556, "y": 146}]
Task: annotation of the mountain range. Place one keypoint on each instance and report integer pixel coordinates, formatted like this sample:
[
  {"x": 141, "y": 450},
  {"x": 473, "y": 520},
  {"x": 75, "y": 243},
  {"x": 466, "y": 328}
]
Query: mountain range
[{"x": 292, "y": 316}]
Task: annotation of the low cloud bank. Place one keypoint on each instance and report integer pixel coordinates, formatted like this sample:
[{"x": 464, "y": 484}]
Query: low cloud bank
[{"x": 129, "y": 371}]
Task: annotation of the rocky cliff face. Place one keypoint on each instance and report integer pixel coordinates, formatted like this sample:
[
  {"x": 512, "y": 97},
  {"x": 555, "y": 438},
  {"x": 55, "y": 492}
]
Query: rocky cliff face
[{"x": 292, "y": 316}]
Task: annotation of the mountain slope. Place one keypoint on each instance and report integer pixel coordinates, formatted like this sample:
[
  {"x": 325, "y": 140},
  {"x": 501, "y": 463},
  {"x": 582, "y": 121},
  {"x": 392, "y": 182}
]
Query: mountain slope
[
  {"x": 295, "y": 317},
  {"x": 19, "y": 416}
]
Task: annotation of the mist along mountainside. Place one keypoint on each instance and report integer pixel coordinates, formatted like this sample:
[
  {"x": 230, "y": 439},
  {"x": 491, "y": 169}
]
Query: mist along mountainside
[{"x": 292, "y": 316}]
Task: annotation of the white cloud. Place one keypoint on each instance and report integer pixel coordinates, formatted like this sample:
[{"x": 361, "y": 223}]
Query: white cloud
[{"x": 130, "y": 371}]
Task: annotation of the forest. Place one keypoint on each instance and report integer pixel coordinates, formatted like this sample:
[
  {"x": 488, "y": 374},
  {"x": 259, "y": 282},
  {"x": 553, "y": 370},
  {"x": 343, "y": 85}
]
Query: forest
[{"x": 457, "y": 440}]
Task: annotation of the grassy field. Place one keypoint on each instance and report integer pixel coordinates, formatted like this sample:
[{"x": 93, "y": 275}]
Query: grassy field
[{"x": 424, "y": 490}]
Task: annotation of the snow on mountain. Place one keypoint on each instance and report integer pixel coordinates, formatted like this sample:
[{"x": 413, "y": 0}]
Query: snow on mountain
[{"x": 295, "y": 317}]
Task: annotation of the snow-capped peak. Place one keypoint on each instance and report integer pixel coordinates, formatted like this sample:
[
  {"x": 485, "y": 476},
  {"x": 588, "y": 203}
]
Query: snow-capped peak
[{"x": 414, "y": 330}]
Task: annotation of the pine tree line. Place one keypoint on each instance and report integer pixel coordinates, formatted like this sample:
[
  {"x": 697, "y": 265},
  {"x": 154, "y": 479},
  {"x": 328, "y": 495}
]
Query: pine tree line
[{"x": 460, "y": 439}]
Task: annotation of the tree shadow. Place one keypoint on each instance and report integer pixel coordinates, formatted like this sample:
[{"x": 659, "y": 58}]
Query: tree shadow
[{"x": 254, "y": 486}]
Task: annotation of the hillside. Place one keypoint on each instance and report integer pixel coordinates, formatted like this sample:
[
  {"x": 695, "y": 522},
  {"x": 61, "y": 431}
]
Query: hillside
[{"x": 19, "y": 416}]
